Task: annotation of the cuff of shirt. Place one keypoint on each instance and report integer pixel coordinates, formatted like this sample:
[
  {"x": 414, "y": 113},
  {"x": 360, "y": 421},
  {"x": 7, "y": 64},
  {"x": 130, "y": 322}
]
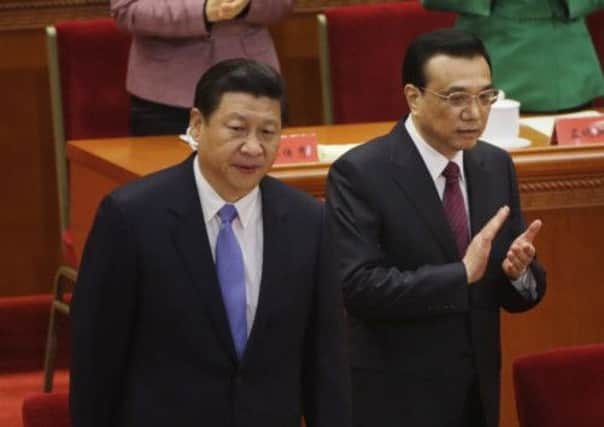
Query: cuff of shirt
[{"x": 526, "y": 285}]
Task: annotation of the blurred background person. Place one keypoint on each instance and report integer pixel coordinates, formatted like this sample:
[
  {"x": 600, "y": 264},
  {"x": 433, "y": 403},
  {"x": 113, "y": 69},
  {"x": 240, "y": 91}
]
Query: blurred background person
[
  {"x": 541, "y": 50},
  {"x": 175, "y": 42}
]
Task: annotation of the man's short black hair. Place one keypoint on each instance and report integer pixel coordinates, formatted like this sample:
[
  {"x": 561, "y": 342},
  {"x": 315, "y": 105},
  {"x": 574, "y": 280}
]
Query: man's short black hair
[
  {"x": 449, "y": 41},
  {"x": 238, "y": 75}
]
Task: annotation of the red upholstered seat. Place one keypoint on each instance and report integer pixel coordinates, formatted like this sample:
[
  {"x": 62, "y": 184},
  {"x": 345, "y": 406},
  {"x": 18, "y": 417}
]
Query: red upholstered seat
[
  {"x": 561, "y": 388},
  {"x": 595, "y": 23},
  {"x": 23, "y": 331},
  {"x": 93, "y": 56},
  {"x": 366, "y": 47},
  {"x": 46, "y": 410}
]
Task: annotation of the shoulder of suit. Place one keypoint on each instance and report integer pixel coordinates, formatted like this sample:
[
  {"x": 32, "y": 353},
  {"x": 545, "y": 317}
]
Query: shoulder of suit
[
  {"x": 284, "y": 193},
  {"x": 490, "y": 150},
  {"x": 373, "y": 150},
  {"x": 163, "y": 187}
]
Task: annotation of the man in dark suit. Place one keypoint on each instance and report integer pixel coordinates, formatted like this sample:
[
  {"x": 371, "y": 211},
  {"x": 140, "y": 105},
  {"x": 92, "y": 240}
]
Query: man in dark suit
[
  {"x": 204, "y": 297},
  {"x": 431, "y": 243}
]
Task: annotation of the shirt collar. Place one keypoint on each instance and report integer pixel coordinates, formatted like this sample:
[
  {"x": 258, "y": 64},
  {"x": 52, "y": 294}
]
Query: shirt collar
[
  {"x": 211, "y": 202},
  {"x": 435, "y": 161}
]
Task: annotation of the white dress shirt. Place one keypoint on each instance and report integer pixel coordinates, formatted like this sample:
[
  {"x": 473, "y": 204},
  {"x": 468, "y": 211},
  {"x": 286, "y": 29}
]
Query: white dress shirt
[
  {"x": 248, "y": 229},
  {"x": 435, "y": 163}
]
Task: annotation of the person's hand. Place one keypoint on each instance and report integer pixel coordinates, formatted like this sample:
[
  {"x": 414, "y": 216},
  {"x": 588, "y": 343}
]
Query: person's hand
[
  {"x": 230, "y": 9},
  {"x": 213, "y": 10},
  {"x": 477, "y": 254},
  {"x": 521, "y": 252}
]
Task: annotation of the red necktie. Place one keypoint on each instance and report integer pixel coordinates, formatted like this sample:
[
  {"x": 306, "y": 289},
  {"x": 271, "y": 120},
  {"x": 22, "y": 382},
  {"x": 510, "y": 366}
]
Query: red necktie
[{"x": 455, "y": 208}]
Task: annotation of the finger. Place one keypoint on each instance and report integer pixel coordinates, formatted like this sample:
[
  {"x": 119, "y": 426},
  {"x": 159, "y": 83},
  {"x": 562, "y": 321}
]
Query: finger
[
  {"x": 528, "y": 251},
  {"x": 523, "y": 252},
  {"x": 532, "y": 231},
  {"x": 521, "y": 256},
  {"x": 508, "y": 268},
  {"x": 492, "y": 227},
  {"x": 512, "y": 270},
  {"x": 513, "y": 258}
]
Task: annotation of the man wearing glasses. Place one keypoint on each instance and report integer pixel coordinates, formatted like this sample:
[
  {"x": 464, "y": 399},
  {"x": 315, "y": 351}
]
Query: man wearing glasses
[{"x": 431, "y": 243}]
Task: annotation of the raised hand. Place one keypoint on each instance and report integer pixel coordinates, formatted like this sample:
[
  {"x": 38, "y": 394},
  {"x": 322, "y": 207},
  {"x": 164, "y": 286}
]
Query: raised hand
[
  {"x": 213, "y": 10},
  {"x": 521, "y": 252},
  {"x": 230, "y": 9},
  {"x": 224, "y": 10},
  {"x": 477, "y": 254}
]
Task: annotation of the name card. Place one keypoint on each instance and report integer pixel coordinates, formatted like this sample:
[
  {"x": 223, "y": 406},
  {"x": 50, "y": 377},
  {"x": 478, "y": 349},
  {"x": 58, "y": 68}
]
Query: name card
[
  {"x": 582, "y": 130},
  {"x": 297, "y": 148}
]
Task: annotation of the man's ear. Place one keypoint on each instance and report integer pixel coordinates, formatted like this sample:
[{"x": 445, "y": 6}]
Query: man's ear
[
  {"x": 413, "y": 96},
  {"x": 195, "y": 123}
]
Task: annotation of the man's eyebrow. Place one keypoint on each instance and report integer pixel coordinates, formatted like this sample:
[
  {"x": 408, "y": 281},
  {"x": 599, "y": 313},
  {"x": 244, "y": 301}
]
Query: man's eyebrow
[{"x": 465, "y": 89}]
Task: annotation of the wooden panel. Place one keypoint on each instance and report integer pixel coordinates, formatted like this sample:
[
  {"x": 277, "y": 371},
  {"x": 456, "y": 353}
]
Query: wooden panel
[
  {"x": 89, "y": 188},
  {"x": 297, "y": 45},
  {"x": 29, "y": 216}
]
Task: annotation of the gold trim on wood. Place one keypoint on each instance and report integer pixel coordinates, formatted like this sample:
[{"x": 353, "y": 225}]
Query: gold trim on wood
[
  {"x": 567, "y": 193},
  {"x": 568, "y": 185},
  {"x": 38, "y": 14}
]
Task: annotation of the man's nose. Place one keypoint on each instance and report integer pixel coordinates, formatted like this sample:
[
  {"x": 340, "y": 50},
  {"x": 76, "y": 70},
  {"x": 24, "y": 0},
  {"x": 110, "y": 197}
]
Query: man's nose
[
  {"x": 252, "y": 145},
  {"x": 472, "y": 110}
]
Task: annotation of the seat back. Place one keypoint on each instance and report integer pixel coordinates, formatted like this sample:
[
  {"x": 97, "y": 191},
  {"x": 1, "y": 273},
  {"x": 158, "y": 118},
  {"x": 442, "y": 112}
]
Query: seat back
[
  {"x": 595, "y": 24},
  {"x": 360, "y": 52},
  {"x": 561, "y": 388},
  {"x": 46, "y": 410},
  {"x": 87, "y": 61}
]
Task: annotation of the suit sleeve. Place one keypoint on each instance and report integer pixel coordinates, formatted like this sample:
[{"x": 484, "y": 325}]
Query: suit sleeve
[
  {"x": 266, "y": 12},
  {"x": 161, "y": 18},
  {"x": 509, "y": 297},
  {"x": 373, "y": 286},
  {"x": 327, "y": 400},
  {"x": 102, "y": 315}
]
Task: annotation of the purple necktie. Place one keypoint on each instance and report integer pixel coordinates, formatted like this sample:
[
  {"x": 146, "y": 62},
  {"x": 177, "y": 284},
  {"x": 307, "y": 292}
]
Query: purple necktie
[
  {"x": 231, "y": 275},
  {"x": 455, "y": 208}
]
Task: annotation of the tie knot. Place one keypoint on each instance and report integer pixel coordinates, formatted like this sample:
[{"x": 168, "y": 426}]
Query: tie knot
[
  {"x": 451, "y": 172},
  {"x": 227, "y": 213}
]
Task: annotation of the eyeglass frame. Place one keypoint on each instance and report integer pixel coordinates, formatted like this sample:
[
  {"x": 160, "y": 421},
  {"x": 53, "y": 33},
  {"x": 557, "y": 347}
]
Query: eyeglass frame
[{"x": 470, "y": 96}]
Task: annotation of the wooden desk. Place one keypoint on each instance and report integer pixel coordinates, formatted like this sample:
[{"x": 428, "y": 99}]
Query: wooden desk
[{"x": 564, "y": 186}]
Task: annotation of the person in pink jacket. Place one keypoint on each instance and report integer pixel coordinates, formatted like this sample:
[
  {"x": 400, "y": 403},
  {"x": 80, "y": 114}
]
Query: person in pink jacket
[{"x": 175, "y": 41}]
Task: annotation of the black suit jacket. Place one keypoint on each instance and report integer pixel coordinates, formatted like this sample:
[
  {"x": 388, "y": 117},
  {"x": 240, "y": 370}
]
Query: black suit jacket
[
  {"x": 419, "y": 334},
  {"x": 152, "y": 345}
]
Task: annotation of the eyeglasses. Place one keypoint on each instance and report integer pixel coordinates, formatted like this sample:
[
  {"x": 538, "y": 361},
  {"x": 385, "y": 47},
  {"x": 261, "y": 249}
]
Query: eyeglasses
[{"x": 463, "y": 99}]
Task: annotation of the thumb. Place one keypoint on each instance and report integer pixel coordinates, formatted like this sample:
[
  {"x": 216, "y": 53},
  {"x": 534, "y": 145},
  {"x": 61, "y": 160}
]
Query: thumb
[{"x": 532, "y": 230}]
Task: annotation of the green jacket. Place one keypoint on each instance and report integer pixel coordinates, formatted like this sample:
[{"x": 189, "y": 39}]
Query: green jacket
[{"x": 541, "y": 50}]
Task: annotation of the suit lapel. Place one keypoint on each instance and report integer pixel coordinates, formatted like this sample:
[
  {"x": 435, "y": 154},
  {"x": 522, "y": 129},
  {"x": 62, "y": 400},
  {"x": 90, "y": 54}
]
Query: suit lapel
[
  {"x": 191, "y": 241},
  {"x": 413, "y": 178},
  {"x": 479, "y": 197},
  {"x": 274, "y": 218}
]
